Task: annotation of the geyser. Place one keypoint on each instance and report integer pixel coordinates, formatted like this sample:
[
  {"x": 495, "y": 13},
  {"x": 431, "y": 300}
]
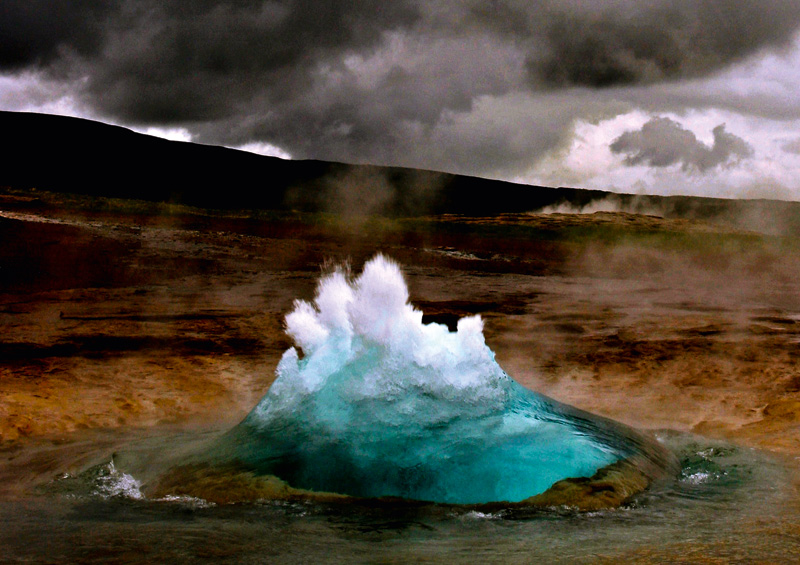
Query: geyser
[{"x": 381, "y": 405}]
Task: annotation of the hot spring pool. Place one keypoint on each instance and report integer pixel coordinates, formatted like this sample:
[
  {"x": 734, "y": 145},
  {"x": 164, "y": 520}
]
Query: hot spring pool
[
  {"x": 725, "y": 504},
  {"x": 384, "y": 439},
  {"x": 382, "y": 405}
]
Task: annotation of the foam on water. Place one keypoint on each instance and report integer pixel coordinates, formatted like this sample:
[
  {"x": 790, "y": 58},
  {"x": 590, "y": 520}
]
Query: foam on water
[
  {"x": 380, "y": 404},
  {"x": 103, "y": 480},
  {"x": 112, "y": 482}
]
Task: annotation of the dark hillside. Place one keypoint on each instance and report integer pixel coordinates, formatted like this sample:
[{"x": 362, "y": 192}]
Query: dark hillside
[
  {"x": 73, "y": 155},
  {"x": 85, "y": 157}
]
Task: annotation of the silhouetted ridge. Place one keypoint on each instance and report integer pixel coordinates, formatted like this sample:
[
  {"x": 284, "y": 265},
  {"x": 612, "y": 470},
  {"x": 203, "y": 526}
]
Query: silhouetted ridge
[
  {"x": 81, "y": 156},
  {"x": 74, "y": 155}
]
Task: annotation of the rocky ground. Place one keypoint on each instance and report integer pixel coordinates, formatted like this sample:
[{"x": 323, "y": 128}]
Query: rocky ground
[{"x": 125, "y": 316}]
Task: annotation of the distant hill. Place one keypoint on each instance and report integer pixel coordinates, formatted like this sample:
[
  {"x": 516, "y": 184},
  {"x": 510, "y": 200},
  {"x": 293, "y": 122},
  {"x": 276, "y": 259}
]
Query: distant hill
[
  {"x": 82, "y": 156},
  {"x": 65, "y": 154}
]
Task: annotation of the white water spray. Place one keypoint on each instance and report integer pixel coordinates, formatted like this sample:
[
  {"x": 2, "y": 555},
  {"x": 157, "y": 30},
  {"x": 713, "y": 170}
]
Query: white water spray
[{"x": 381, "y": 404}]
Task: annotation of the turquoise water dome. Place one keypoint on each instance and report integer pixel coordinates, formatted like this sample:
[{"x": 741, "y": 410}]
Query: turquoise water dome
[{"x": 382, "y": 405}]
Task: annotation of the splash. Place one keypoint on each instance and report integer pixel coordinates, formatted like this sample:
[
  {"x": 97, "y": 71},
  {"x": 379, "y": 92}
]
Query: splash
[{"x": 381, "y": 405}]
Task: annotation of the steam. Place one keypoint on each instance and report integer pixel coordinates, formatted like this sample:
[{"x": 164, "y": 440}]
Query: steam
[
  {"x": 768, "y": 217},
  {"x": 366, "y": 191},
  {"x": 626, "y": 203}
]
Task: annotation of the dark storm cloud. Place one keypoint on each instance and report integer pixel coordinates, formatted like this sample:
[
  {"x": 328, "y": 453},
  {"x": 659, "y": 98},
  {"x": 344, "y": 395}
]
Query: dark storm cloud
[
  {"x": 601, "y": 44},
  {"x": 662, "y": 142},
  {"x": 376, "y": 80},
  {"x": 792, "y": 146},
  {"x": 33, "y": 32},
  {"x": 201, "y": 60}
]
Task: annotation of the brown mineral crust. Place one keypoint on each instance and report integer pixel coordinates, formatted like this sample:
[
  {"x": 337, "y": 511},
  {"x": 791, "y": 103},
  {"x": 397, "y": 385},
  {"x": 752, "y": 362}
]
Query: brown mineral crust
[
  {"x": 610, "y": 487},
  {"x": 123, "y": 317},
  {"x": 226, "y": 484}
]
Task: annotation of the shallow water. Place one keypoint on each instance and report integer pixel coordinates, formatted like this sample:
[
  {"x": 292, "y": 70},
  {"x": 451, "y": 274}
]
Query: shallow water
[{"x": 727, "y": 504}]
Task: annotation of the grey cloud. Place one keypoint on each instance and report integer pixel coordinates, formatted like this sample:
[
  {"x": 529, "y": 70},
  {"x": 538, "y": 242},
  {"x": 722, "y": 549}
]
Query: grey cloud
[
  {"x": 792, "y": 146},
  {"x": 202, "y": 60},
  {"x": 374, "y": 80},
  {"x": 34, "y": 33},
  {"x": 663, "y": 142},
  {"x": 602, "y": 44}
]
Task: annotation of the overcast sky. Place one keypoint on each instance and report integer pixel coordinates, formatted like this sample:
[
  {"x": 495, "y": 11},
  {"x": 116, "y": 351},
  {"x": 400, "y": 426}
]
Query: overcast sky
[{"x": 643, "y": 96}]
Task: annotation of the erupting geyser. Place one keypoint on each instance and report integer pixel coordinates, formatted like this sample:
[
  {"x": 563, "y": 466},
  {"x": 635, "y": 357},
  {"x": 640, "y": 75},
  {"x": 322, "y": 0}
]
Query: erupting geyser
[{"x": 380, "y": 404}]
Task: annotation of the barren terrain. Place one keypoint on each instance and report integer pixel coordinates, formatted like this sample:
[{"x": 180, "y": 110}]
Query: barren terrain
[{"x": 119, "y": 315}]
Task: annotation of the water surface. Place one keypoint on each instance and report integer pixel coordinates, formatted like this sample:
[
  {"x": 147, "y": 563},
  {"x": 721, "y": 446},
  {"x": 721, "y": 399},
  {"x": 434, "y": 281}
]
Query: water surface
[{"x": 727, "y": 504}]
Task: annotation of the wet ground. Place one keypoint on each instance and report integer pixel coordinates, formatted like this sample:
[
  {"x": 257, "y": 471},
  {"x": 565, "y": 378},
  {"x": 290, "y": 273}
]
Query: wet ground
[{"x": 124, "y": 324}]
